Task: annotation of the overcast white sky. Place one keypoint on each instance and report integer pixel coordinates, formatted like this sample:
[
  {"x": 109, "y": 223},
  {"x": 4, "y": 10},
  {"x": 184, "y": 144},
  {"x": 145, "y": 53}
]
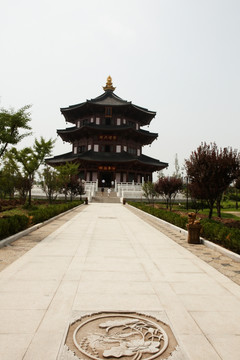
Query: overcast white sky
[{"x": 180, "y": 58}]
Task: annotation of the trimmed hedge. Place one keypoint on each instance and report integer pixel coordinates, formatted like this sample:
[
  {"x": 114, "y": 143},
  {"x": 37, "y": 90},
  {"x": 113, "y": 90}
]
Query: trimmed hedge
[
  {"x": 171, "y": 217},
  {"x": 43, "y": 214},
  {"x": 221, "y": 234},
  {"x": 211, "y": 230},
  {"x": 12, "y": 224}
]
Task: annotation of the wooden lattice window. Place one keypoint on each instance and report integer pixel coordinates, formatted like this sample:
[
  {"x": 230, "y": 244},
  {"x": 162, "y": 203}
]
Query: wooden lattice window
[
  {"x": 108, "y": 111},
  {"x": 81, "y": 148}
]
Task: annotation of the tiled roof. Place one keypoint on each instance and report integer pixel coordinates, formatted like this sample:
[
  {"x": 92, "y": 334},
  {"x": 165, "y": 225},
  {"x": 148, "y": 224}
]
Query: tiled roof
[
  {"x": 122, "y": 157},
  {"x": 108, "y": 98},
  {"x": 71, "y": 133}
]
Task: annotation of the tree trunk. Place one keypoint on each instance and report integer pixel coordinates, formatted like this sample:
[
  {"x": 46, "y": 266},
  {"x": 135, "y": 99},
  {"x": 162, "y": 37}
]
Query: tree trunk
[
  {"x": 218, "y": 209},
  {"x": 210, "y": 212},
  {"x": 50, "y": 197},
  {"x": 30, "y": 195},
  {"x": 3, "y": 149},
  {"x": 219, "y": 206},
  {"x": 210, "y": 205},
  {"x": 30, "y": 190}
]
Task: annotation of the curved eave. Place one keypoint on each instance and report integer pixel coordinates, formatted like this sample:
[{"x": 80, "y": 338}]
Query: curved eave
[
  {"x": 153, "y": 162},
  {"x": 108, "y": 158},
  {"x": 75, "y": 133},
  {"x": 73, "y": 112},
  {"x": 61, "y": 159}
]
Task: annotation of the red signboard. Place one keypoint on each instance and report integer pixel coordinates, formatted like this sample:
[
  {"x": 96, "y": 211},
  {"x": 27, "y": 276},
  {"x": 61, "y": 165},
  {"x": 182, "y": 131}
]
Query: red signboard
[
  {"x": 108, "y": 137},
  {"x": 107, "y": 168}
]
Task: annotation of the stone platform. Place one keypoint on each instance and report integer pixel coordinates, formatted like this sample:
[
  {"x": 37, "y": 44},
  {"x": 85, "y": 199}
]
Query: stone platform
[{"x": 105, "y": 260}]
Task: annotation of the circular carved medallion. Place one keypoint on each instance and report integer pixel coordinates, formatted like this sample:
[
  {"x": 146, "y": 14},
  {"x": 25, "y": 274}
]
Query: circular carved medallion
[{"x": 129, "y": 336}]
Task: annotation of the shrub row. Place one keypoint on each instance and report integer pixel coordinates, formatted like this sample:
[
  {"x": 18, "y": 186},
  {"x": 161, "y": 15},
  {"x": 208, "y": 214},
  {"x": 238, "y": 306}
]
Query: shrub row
[
  {"x": 211, "y": 230},
  {"x": 47, "y": 212},
  {"x": 12, "y": 224},
  {"x": 171, "y": 217},
  {"x": 221, "y": 234}
]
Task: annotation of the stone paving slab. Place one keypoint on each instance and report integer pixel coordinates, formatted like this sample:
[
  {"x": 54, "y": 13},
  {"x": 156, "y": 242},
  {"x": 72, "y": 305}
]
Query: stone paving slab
[
  {"x": 222, "y": 263},
  {"x": 16, "y": 249},
  {"x": 105, "y": 258}
]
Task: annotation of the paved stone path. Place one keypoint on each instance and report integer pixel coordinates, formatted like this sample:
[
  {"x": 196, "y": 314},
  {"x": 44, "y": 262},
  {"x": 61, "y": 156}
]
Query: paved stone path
[
  {"x": 105, "y": 258},
  {"x": 236, "y": 213},
  {"x": 222, "y": 263},
  {"x": 16, "y": 249}
]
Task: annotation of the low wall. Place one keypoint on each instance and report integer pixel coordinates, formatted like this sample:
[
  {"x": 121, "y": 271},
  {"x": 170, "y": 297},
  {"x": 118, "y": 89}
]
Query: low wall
[{"x": 126, "y": 194}]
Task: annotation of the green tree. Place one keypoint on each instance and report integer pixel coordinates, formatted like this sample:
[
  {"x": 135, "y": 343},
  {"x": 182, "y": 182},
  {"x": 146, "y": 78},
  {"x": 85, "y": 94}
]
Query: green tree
[
  {"x": 76, "y": 187},
  {"x": 7, "y": 182},
  {"x": 31, "y": 158},
  {"x": 22, "y": 186},
  {"x": 11, "y": 178},
  {"x": 12, "y": 123},
  {"x": 149, "y": 191},
  {"x": 68, "y": 176},
  {"x": 50, "y": 183}
]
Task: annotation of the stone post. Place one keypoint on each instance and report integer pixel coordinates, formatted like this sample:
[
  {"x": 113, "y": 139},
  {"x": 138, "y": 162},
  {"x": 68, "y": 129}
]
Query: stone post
[{"x": 194, "y": 229}]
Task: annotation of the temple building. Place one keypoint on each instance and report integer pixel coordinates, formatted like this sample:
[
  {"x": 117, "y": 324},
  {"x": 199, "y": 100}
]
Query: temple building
[{"x": 107, "y": 139}]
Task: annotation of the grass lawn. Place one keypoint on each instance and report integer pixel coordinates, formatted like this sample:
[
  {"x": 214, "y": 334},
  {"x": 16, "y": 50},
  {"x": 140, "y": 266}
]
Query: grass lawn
[
  {"x": 225, "y": 215},
  {"x": 228, "y": 208}
]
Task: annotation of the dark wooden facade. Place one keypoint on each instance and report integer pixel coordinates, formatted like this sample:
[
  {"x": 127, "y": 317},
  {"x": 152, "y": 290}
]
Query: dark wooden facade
[{"x": 107, "y": 139}]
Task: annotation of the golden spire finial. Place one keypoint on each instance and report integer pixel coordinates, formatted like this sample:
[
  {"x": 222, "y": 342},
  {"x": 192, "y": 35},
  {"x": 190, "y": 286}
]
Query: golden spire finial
[{"x": 109, "y": 85}]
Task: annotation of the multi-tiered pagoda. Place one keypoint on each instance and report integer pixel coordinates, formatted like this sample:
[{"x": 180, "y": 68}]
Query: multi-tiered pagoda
[{"x": 107, "y": 139}]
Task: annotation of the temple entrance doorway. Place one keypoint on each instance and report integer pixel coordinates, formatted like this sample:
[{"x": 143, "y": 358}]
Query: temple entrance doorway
[{"x": 106, "y": 178}]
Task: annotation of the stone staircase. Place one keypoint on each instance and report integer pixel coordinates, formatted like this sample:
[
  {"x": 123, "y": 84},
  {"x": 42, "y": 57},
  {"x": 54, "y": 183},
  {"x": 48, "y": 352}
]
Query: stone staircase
[{"x": 105, "y": 198}]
